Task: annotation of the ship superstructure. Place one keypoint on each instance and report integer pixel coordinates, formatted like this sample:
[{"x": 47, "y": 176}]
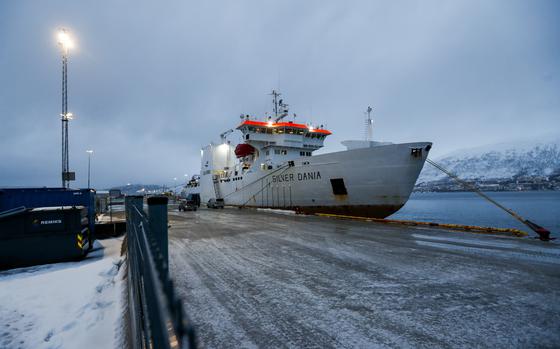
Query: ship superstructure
[{"x": 275, "y": 167}]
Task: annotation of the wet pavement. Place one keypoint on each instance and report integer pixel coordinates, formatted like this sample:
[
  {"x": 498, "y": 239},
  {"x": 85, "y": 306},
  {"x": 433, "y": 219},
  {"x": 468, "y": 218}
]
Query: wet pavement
[{"x": 260, "y": 279}]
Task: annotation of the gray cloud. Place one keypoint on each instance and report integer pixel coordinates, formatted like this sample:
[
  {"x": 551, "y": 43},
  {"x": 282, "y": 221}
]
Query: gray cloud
[{"x": 152, "y": 82}]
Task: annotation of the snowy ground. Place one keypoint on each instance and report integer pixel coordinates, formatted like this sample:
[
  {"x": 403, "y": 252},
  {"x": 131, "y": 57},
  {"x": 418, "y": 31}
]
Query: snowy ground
[
  {"x": 64, "y": 305},
  {"x": 258, "y": 279}
]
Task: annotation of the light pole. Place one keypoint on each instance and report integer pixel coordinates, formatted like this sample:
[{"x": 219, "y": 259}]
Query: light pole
[
  {"x": 65, "y": 44},
  {"x": 369, "y": 125},
  {"x": 90, "y": 152}
]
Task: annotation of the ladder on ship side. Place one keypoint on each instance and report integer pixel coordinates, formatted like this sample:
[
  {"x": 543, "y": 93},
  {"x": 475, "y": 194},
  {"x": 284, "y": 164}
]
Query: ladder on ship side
[{"x": 216, "y": 181}]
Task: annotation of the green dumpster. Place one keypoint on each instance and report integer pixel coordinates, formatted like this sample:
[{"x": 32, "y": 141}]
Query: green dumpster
[{"x": 42, "y": 235}]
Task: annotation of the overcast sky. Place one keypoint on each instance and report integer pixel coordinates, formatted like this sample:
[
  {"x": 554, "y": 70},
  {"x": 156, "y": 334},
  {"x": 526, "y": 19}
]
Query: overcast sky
[{"x": 152, "y": 82}]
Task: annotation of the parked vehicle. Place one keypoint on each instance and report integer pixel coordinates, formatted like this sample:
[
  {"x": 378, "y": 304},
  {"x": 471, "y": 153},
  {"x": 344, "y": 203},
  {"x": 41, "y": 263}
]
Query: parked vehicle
[
  {"x": 195, "y": 198},
  {"x": 187, "y": 205},
  {"x": 215, "y": 203}
]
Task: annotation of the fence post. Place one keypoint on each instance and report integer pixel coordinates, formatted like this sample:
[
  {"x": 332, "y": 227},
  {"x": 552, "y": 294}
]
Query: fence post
[
  {"x": 157, "y": 216},
  {"x": 133, "y": 201}
]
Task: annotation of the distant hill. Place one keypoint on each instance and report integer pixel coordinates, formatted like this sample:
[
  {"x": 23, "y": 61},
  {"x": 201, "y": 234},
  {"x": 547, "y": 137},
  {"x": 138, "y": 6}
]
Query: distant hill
[
  {"x": 138, "y": 189},
  {"x": 141, "y": 189},
  {"x": 528, "y": 158}
]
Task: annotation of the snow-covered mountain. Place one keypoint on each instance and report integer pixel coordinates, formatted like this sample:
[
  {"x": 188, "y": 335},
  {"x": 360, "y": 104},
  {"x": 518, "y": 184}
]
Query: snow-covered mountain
[{"x": 537, "y": 157}]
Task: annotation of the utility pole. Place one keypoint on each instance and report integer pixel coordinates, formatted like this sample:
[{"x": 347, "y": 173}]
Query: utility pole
[{"x": 89, "y": 167}]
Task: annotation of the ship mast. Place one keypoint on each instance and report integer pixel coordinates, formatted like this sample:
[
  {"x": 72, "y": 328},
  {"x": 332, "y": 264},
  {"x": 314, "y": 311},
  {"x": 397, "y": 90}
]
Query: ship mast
[
  {"x": 275, "y": 96},
  {"x": 280, "y": 108}
]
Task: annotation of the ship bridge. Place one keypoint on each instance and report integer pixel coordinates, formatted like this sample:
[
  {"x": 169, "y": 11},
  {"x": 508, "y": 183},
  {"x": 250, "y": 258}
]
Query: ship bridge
[
  {"x": 283, "y": 138},
  {"x": 266, "y": 144}
]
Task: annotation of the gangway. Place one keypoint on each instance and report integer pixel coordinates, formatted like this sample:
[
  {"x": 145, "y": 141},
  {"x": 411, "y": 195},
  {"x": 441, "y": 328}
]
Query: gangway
[{"x": 216, "y": 182}]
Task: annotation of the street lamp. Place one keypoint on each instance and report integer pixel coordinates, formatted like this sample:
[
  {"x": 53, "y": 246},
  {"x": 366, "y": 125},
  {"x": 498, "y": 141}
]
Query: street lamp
[
  {"x": 65, "y": 43},
  {"x": 90, "y": 152}
]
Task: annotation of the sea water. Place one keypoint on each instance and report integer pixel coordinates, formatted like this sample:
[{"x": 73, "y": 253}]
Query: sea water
[{"x": 541, "y": 207}]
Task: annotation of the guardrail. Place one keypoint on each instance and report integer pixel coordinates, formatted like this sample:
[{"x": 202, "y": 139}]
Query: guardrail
[{"x": 156, "y": 315}]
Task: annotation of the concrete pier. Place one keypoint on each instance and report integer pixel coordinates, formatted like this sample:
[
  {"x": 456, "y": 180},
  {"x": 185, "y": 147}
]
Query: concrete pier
[{"x": 252, "y": 278}]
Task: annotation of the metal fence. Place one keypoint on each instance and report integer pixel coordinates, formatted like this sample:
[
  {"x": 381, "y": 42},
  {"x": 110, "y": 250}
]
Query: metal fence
[{"x": 156, "y": 315}]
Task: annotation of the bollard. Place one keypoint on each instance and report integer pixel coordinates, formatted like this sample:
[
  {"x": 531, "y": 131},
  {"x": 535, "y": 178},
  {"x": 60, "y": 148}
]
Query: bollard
[{"x": 157, "y": 215}]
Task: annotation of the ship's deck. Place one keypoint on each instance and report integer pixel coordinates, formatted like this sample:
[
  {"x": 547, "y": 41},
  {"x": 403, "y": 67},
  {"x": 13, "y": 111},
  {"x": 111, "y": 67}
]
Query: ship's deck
[{"x": 251, "y": 278}]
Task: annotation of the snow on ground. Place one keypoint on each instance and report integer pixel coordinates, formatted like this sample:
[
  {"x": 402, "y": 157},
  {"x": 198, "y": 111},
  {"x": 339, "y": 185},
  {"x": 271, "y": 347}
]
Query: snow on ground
[
  {"x": 277, "y": 211},
  {"x": 64, "y": 305},
  {"x": 106, "y": 217}
]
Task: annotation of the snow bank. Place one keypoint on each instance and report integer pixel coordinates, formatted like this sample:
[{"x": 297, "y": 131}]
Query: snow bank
[{"x": 65, "y": 305}]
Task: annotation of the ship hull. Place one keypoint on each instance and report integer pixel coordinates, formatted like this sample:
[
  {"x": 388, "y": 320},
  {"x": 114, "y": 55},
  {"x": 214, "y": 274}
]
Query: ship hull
[
  {"x": 369, "y": 211},
  {"x": 367, "y": 182}
]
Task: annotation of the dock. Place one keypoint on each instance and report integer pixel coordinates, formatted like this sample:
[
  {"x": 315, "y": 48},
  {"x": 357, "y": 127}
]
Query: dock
[{"x": 273, "y": 279}]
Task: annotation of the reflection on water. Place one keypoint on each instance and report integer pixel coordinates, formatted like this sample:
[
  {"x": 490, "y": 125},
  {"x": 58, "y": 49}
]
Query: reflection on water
[{"x": 541, "y": 207}]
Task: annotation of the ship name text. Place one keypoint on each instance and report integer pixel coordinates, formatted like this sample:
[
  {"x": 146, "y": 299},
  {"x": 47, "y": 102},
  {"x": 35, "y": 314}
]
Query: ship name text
[{"x": 290, "y": 177}]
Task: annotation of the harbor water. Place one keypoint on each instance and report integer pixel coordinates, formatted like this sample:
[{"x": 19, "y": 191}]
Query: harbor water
[{"x": 541, "y": 207}]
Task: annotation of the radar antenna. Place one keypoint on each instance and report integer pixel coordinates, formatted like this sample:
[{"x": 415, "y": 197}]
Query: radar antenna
[{"x": 368, "y": 131}]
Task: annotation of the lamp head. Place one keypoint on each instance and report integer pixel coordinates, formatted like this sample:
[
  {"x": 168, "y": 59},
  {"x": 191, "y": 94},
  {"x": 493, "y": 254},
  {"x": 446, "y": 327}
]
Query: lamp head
[
  {"x": 67, "y": 116},
  {"x": 64, "y": 40}
]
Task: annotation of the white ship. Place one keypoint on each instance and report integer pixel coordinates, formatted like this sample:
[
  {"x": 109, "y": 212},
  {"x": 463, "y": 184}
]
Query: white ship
[{"x": 275, "y": 168}]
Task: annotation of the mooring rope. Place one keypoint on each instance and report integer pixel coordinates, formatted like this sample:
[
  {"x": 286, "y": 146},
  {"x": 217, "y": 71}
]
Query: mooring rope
[{"x": 544, "y": 234}]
